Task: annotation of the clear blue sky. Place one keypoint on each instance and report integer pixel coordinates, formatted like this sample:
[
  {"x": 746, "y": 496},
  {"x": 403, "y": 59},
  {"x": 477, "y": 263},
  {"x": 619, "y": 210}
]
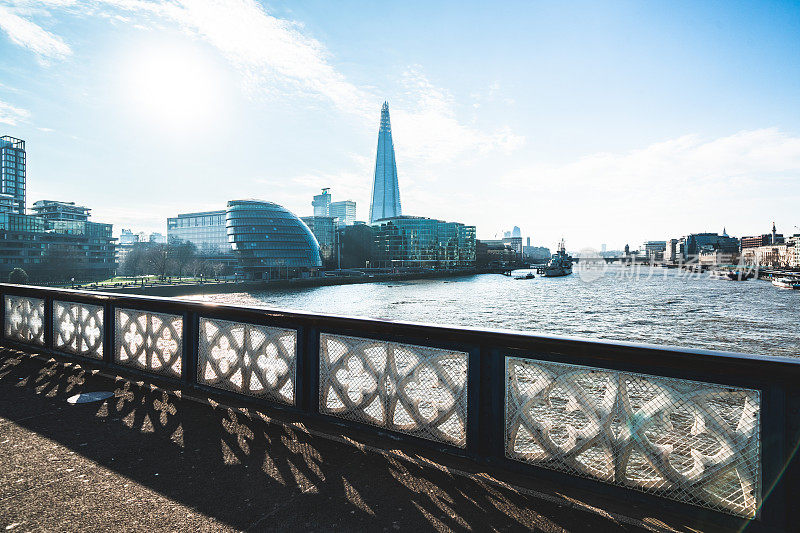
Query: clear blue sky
[{"x": 602, "y": 122}]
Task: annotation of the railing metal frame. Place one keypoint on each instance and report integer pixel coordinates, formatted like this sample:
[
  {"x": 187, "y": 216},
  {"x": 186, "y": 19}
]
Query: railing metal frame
[{"x": 777, "y": 379}]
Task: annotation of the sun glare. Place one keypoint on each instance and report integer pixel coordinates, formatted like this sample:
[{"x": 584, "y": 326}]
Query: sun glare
[{"x": 175, "y": 86}]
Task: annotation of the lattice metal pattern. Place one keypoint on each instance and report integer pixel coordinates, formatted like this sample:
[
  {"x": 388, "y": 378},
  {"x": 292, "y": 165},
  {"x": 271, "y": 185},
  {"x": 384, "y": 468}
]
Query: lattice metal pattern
[
  {"x": 689, "y": 441},
  {"x": 78, "y": 328},
  {"x": 25, "y": 319},
  {"x": 149, "y": 341},
  {"x": 256, "y": 360},
  {"x": 413, "y": 389}
]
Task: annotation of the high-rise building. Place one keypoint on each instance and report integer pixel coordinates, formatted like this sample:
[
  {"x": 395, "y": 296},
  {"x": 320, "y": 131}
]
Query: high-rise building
[
  {"x": 12, "y": 175},
  {"x": 344, "y": 212},
  {"x": 385, "y": 188},
  {"x": 516, "y": 232},
  {"x": 322, "y": 204}
]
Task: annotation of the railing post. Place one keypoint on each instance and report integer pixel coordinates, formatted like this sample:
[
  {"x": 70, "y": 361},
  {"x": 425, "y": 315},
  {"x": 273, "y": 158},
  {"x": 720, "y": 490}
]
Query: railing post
[
  {"x": 47, "y": 320},
  {"x": 775, "y": 461},
  {"x": 491, "y": 429},
  {"x": 109, "y": 332},
  {"x": 307, "y": 379},
  {"x": 191, "y": 343},
  {"x": 476, "y": 394}
]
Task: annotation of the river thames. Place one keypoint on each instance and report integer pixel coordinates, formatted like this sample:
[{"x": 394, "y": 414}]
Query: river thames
[{"x": 648, "y": 305}]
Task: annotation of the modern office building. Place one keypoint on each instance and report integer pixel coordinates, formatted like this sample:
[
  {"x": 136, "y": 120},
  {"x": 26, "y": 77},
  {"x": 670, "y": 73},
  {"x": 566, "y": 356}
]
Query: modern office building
[
  {"x": 514, "y": 242},
  {"x": 53, "y": 249},
  {"x": 12, "y": 175},
  {"x": 654, "y": 250},
  {"x": 324, "y": 230},
  {"x": 270, "y": 241},
  {"x": 344, "y": 212},
  {"x": 54, "y": 210},
  {"x": 688, "y": 248},
  {"x": 206, "y": 230},
  {"x": 423, "y": 242},
  {"x": 385, "y": 188},
  {"x": 766, "y": 239},
  {"x": 322, "y": 204}
]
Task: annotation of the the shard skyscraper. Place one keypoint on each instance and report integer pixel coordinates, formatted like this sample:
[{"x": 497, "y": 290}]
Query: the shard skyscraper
[{"x": 385, "y": 189}]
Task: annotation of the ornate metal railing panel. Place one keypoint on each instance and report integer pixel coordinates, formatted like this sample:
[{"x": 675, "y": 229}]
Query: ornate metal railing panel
[
  {"x": 417, "y": 390},
  {"x": 255, "y": 360},
  {"x": 691, "y": 441},
  {"x": 24, "y": 319},
  {"x": 78, "y": 328},
  {"x": 149, "y": 341}
]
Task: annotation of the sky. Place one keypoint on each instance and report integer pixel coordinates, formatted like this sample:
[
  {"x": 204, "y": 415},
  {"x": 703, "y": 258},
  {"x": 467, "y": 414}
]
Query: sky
[{"x": 599, "y": 122}]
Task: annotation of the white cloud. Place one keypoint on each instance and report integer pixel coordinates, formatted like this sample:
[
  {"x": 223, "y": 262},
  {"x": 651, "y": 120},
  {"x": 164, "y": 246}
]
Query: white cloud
[
  {"x": 29, "y": 35},
  {"x": 682, "y": 185},
  {"x": 12, "y": 115},
  {"x": 277, "y": 57},
  {"x": 430, "y": 131},
  {"x": 273, "y": 54}
]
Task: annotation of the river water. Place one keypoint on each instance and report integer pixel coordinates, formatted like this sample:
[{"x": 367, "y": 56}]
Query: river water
[{"x": 649, "y": 305}]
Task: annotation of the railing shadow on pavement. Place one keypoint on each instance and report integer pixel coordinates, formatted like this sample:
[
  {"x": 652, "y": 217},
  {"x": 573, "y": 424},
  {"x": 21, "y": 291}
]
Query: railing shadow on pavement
[{"x": 234, "y": 464}]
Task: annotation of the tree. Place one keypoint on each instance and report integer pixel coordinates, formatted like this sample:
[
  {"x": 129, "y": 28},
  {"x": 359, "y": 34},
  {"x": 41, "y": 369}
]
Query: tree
[
  {"x": 18, "y": 276},
  {"x": 159, "y": 260},
  {"x": 183, "y": 254}
]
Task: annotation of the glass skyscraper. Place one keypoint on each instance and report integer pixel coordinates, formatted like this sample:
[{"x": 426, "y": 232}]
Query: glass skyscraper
[
  {"x": 12, "y": 175},
  {"x": 385, "y": 189}
]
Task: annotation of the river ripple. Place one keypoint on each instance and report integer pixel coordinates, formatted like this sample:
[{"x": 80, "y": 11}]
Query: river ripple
[{"x": 650, "y": 305}]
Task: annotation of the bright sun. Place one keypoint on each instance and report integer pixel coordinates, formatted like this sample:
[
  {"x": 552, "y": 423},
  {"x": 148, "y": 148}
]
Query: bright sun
[{"x": 177, "y": 86}]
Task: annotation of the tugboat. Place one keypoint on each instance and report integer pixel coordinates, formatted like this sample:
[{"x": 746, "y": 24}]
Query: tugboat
[
  {"x": 560, "y": 264},
  {"x": 787, "y": 283}
]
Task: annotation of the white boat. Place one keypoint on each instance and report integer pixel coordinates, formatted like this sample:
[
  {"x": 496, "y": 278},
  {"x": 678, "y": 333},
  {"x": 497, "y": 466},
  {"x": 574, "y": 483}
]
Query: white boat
[
  {"x": 730, "y": 274},
  {"x": 787, "y": 283},
  {"x": 560, "y": 264}
]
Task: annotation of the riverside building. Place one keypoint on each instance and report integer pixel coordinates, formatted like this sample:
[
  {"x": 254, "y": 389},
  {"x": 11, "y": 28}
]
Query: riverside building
[
  {"x": 270, "y": 241},
  {"x": 324, "y": 230},
  {"x": 206, "y": 230},
  {"x": 423, "y": 242}
]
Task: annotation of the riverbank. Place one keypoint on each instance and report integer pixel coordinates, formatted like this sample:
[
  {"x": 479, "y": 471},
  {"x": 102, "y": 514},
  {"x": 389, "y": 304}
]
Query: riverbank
[{"x": 185, "y": 289}]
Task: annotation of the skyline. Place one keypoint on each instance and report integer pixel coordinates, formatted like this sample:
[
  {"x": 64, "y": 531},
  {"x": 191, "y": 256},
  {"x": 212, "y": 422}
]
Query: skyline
[{"x": 682, "y": 121}]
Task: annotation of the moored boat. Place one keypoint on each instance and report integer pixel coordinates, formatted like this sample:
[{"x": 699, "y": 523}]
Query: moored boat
[
  {"x": 787, "y": 283},
  {"x": 731, "y": 274}
]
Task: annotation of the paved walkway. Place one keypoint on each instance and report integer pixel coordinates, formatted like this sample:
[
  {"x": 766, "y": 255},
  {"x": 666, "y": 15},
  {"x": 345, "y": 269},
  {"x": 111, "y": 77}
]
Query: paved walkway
[{"x": 145, "y": 459}]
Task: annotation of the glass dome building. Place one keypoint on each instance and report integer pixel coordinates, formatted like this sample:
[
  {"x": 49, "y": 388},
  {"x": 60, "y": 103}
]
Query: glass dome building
[{"x": 269, "y": 240}]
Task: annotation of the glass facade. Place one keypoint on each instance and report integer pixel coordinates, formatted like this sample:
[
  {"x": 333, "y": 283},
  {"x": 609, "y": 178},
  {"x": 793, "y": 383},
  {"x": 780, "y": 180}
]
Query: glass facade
[
  {"x": 385, "y": 188},
  {"x": 12, "y": 174},
  {"x": 423, "y": 242},
  {"x": 205, "y": 230},
  {"x": 344, "y": 212},
  {"x": 324, "y": 231},
  {"x": 266, "y": 236},
  {"x": 53, "y": 210}
]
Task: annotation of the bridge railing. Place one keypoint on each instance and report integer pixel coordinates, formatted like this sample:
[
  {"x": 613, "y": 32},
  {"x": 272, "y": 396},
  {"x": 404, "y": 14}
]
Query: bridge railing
[{"x": 705, "y": 434}]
